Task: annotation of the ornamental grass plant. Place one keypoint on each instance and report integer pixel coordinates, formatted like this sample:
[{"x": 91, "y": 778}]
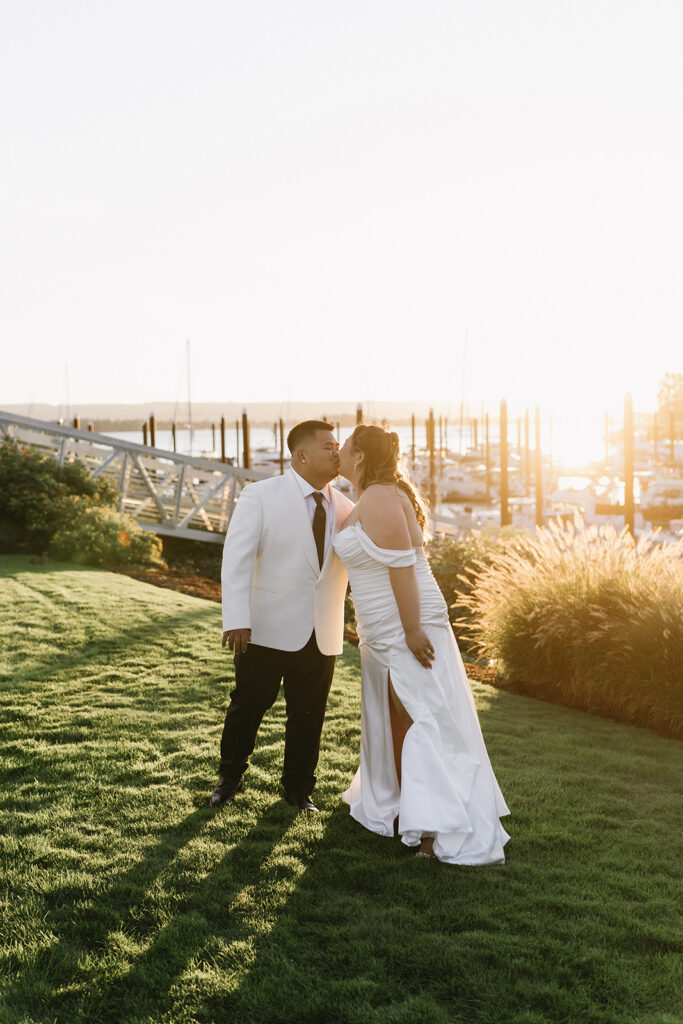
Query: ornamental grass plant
[
  {"x": 456, "y": 562},
  {"x": 586, "y": 617}
]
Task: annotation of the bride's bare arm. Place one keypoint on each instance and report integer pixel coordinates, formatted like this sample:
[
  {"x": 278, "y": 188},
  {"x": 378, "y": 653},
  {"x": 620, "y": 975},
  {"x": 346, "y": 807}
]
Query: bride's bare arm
[
  {"x": 385, "y": 523},
  {"x": 404, "y": 585}
]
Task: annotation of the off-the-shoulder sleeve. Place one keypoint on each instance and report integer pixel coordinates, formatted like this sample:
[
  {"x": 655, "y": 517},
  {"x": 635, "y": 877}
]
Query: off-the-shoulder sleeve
[{"x": 393, "y": 558}]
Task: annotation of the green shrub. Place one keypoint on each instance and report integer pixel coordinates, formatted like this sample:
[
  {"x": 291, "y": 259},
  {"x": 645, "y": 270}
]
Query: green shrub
[
  {"x": 349, "y": 612},
  {"x": 588, "y": 618},
  {"x": 102, "y": 536},
  {"x": 45, "y": 506},
  {"x": 196, "y": 556},
  {"x": 38, "y": 496}
]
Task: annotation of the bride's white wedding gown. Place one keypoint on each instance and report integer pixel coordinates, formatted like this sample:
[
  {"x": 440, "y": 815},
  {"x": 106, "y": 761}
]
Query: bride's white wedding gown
[{"x": 448, "y": 789}]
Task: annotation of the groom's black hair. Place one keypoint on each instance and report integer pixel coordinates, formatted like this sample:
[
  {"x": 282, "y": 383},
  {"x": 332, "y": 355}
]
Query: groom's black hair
[{"x": 305, "y": 431}]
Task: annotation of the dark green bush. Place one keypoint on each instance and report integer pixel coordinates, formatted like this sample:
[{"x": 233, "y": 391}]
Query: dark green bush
[
  {"x": 196, "y": 556},
  {"x": 102, "y": 536},
  {"x": 62, "y": 509},
  {"x": 39, "y": 497}
]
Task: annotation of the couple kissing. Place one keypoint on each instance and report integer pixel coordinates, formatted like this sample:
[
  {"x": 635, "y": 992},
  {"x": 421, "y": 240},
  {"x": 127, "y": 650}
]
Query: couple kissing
[{"x": 293, "y": 544}]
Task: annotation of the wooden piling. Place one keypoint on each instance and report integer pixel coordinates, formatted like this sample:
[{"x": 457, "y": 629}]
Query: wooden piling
[
  {"x": 538, "y": 468},
  {"x": 359, "y": 414},
  {"x": 246, "y": 449},
  {"x": 223, "y": 455},
  {"x": 174, "y": 435},
  {"x": 237, "y": 442},
  {"x": 629, "y": 502},
  {"x": 144, "y": 432},
  {"x": 505, "y": 519},
  {"x": 527, "y": 455},
  {"x": 487, "y": 455},
  {"x": 77, "y": 422},
  {"x": 91, "y": 428},
  {"x": 431, "y": 441}
]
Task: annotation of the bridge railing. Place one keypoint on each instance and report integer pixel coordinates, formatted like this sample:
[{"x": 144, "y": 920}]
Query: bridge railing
[{"x": 167, "y": 493}]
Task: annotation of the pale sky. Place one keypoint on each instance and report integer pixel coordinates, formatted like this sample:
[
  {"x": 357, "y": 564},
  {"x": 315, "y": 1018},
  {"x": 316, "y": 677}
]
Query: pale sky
[{"x": 326, "y": 197}]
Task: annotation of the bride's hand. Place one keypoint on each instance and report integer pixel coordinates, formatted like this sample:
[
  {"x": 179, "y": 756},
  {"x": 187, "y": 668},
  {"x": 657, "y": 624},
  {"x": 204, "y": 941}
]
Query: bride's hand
[{"x": 421, "y": 646}]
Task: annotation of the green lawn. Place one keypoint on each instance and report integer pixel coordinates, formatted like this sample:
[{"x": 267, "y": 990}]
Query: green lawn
[{"x": 125, "y": 899}]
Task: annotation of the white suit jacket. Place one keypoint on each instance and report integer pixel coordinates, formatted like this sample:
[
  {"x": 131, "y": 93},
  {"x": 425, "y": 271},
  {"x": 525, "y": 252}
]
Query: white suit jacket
[{"x": 271, "y": 579}]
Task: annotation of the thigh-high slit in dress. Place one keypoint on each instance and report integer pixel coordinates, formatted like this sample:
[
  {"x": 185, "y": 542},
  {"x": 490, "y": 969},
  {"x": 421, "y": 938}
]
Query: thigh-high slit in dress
[{"x": 448, "y": 789}]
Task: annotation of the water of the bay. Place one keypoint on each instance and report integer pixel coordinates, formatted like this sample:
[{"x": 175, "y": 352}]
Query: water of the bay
[{"x": 207, "y": 442}]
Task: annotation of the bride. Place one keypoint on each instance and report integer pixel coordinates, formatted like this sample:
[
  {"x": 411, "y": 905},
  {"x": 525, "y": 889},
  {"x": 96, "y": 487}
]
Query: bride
[{"x": 422, "y": 760}]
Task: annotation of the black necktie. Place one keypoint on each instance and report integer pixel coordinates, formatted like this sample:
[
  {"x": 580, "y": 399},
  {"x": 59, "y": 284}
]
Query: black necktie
[{"x": 319, "y": 523}]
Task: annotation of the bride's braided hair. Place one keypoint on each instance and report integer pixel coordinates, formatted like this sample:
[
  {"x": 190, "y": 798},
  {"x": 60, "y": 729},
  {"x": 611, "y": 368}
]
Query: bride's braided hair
[{"x": 382, "y": 465}]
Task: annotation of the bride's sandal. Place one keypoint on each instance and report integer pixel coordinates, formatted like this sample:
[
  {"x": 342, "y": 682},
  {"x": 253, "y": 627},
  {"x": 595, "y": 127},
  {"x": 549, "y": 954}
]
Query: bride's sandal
[{"x": 427, "y": 848}]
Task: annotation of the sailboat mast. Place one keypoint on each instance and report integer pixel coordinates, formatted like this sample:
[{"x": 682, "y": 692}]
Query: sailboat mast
[
  {"x": 462, "y": 391},
  {"x": 189, "y": 396},
  {"x": 68, "y": 400}
]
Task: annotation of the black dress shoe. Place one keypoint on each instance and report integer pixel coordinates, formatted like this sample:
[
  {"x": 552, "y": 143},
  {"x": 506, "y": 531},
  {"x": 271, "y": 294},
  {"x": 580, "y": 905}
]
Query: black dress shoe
[
  {"x": 303, "y": 802},
  {"x": 225, "y": 792}
]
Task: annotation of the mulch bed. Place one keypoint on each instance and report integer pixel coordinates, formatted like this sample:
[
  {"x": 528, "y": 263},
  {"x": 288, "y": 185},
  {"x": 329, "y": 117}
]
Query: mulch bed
[{"x": 176, "y": 579}]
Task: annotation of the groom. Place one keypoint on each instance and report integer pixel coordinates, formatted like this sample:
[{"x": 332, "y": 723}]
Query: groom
[{"x": 283, "y": 610}]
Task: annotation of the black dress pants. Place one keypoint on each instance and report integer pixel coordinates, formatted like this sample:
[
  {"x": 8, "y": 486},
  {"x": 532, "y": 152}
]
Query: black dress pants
[{"x": 307, "y": 676}]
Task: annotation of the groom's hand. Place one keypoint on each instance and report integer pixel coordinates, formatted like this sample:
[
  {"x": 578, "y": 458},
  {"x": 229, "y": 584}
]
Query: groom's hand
[{"x": 236, "y": 639}]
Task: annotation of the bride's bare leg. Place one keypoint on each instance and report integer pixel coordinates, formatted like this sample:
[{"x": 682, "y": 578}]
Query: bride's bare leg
[{"x": 400, "y": 723}]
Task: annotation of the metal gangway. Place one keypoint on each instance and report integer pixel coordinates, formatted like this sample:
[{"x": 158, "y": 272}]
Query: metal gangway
[{"x": 165, "y": 492}]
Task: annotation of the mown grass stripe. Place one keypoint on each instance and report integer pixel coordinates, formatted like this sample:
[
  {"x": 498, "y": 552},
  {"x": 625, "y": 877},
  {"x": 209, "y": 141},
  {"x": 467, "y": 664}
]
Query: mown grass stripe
[{"x": 125, "y": 899}]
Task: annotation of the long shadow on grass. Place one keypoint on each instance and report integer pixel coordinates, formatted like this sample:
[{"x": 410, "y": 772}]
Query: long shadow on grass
[
  {"x": 116, "y": 911},
  {"x": 319, "y": 959},
  {"x": 370, "y": 933},
  {"x": 216, "y": 905},
  {"x": 103, "y": 649},
  {"x": 115, "y": 901}
]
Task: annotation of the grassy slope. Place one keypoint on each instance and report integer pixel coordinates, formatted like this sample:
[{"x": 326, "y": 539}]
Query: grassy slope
[{"x": 124, "y": 898}]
